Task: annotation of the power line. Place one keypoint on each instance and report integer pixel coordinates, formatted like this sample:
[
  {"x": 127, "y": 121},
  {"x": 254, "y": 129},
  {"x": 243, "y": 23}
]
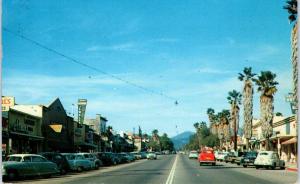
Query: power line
[{"x": 69, "y": 58}]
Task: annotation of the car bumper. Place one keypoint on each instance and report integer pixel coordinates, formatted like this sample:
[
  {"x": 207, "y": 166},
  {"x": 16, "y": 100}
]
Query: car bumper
[{"x": 207, "y": 161}]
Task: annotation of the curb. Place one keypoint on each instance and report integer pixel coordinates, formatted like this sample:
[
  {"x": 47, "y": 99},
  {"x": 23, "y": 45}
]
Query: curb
[{"x": 292, "y": 169}]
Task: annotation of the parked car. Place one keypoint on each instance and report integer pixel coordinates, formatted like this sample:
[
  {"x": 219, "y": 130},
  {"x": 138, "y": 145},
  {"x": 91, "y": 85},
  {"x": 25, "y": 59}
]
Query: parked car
[
  {"x": 58, "y": 159},
  {"x": 232, "y": 156},
  {"x": 137, "y": 155},
  {"x": 193, "y": 155},
  {"x": 143, "y": 155},
  {"x": 91, "y": 157},
  {"x": 151, "y": 155},
  {"x": 239, "y": 158},
  {"x": 108, "y": 158},
  {"x": 268, "y": 159},
  {"x": 22, "y": 165},
  {"x": 77, "y": 162},
  {"x": 221, "y": 156},
  {"x": 249, "y": 158},
  {"x": 207, "y": 157},
  {"x": 130, "y": 157}
]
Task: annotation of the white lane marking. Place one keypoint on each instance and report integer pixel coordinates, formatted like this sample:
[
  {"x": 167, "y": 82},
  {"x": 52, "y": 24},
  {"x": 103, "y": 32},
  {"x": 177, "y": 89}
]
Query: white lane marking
[{"x": 172, "y": 172}]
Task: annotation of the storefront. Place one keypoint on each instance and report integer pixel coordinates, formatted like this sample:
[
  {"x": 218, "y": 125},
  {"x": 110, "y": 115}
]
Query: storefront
[{"x": 24, "y": 133}]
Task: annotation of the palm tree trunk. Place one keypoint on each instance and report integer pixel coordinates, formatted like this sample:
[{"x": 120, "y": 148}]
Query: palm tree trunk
[{"x": 266, "y": 110}]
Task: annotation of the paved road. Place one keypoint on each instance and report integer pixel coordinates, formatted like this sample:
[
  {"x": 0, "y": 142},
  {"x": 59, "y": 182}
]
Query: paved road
[{"x": 171, "y": 169}]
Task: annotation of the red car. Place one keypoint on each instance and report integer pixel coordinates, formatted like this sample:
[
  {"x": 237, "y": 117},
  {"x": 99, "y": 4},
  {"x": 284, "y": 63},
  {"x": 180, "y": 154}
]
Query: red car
[{"x": 207, "y": 157}]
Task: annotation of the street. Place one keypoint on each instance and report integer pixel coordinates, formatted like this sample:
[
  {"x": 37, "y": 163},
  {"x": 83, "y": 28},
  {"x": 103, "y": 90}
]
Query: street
[{"x": 166, "y": 170}]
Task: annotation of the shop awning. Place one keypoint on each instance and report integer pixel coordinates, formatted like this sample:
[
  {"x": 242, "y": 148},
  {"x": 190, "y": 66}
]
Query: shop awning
[
  {"x": 290, "y": 141},
  {"x": 33, "y": 137}
]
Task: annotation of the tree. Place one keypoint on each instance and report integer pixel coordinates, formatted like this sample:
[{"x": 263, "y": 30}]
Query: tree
[
  {"x": 212, "y": 117},
  {"x": 224, "y": 120},
  {"x": 166, "y": 143},
  {"x": 197, "y": 127},
  {"x": 234, "y": 99},
  {"x": 291, "y": 7},
  {"x": 247, "y": 76},
  {"x": 267, "y": 86}
]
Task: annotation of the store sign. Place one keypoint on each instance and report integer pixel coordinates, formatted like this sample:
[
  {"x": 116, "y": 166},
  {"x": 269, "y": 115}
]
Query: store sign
[
  {"x": 81, "y": 110},
  {"x": 7, "y": 101}
]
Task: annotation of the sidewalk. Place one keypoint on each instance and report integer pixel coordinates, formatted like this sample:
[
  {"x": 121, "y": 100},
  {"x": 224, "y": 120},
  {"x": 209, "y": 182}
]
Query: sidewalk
[{"x": 291, "y": 166}]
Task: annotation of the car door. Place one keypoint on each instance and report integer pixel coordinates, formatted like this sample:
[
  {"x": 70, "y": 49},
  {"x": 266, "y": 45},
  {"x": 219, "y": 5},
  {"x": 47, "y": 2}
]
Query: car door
[{"x": 27, "y": 168}]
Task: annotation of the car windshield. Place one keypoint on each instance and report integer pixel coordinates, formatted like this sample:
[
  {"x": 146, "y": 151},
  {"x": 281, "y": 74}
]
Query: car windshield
[
  {"x": 193, "y": 152},
  {"x": 14, "y": 158},
  {"x": 70, "y": 157}
]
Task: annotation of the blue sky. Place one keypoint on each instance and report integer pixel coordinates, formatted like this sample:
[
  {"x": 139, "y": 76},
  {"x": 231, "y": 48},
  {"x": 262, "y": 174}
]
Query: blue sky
[{"x": 188, "y": 50}]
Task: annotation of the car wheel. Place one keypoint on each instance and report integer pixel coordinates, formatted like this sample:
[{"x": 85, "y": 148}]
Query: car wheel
[
  {"x": 79, "y": 169},
  {"x": 256, "y": 167},
  {"x": 213, "y": 164},
  {"x": 62, "y": 171},
  {"x": 238, "y": 164},
  {"x": 200, "y": 163},
  {"x": 273, "y": 166},
  {"x": 12, "y": 175},
  {"x": 96, "y": 166},
  {"x": 244, "y": 166}
]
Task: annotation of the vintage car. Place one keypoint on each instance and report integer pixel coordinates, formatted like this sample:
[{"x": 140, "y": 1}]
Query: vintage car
[
  {"x": 249, "y": 158},
  {"x": 221, "y": 156},
  {"x": 151, "y": 156},
  {"x": 193, "y": 155},
  {"x": 96, "y": 163},
  {"x": 207, "y": 157},
  {"x": 59, "y": 159},
  {"x": 22, "y": 165},
  {"x": 240, "y": 157},
  {"x": 77, "y": 162},
  {"x": 268, "y": 159}
]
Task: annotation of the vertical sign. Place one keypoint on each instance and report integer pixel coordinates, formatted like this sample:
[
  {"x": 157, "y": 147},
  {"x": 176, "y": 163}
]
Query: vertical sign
[{"x": 81, "y": 110}]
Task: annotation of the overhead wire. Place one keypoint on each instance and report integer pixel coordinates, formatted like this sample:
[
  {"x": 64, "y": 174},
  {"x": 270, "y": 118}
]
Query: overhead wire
[{"x": 69, "y": 58}]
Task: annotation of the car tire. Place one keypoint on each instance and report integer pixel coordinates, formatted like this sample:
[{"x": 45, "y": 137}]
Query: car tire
[
  {"x": 63, "y": 171},
  {"x": 213, "y": 164},
  {"x": 238, "y": 164},
  {"x": 12, "y": 175},
  {"x": 245, "y": 166},
  {"x": 273, "y": 166},
  {"x": 96, "y": 166},
  {"x": 79, "y": 169},
  {"x": 257, "y": 167}
]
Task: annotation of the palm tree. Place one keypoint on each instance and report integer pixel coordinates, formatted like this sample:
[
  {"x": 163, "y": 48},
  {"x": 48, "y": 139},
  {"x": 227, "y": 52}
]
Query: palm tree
[
  {"x": 211, "y": 117},
  {"x": 291, "y": 7},
  {"x": 267, "y": 86},
  {"x": 225, "y": 118},
  {"x": 247, "y": 77},
  {"x": 196, "y": 125},
  {"x": 234, "y": 98},
  {"x": 220, "y": 127}
]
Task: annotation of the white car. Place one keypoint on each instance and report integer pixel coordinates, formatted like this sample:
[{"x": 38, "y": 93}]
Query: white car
[
  {"x": 221, "y": 155},
  {"x": 193, "y": 154},
  {"x": 151, "y": 155},
  {"x": 268, "y": 159}
]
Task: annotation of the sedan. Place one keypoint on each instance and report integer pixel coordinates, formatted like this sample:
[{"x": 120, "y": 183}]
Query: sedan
[
  {"x": 207, "y": 157},
  {"x": 22, "y": 165},
  {"x": 268, "y": 159},
  {"x": 77, "y": 162}
]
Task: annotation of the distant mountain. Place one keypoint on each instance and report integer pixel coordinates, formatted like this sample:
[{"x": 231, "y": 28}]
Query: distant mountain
[{"x": 181, "y": 139}]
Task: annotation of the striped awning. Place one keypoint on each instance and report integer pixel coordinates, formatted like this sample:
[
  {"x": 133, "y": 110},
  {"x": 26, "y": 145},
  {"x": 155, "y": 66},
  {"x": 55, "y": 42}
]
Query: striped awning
[{"x": 290, "y": 141}]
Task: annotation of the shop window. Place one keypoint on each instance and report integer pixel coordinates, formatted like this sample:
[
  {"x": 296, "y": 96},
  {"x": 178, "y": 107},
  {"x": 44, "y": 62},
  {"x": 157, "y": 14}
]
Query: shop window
[
  {"x": 29, "y": 122},
  {"x": 30, "y": 129},
  {"x": 287, "y": 128}
]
